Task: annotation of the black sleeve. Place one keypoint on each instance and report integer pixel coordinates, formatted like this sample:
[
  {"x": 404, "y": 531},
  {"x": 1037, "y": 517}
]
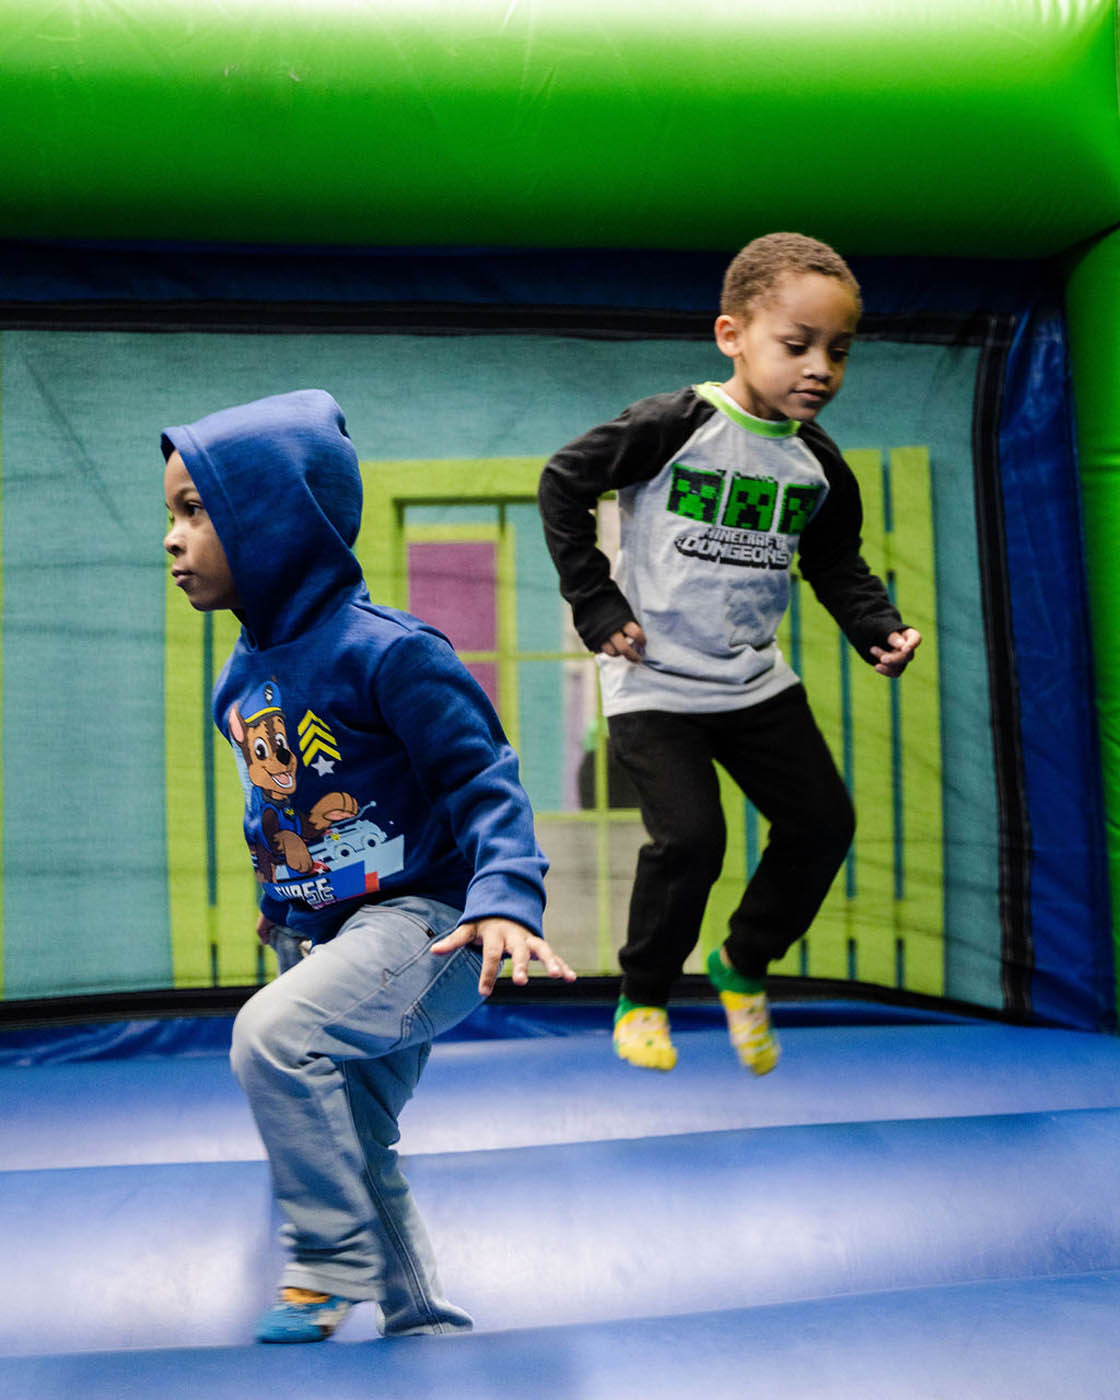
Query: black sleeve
[
  {"x": 830, "y": 555},
  {"x": 632, "y": 447}
]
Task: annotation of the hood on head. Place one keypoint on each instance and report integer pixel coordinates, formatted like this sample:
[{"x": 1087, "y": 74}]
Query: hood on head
[{"x": 279, "y": 479}]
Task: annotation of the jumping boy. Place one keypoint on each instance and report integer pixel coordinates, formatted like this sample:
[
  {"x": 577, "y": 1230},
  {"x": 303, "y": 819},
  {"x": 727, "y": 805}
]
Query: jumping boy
[
  {"x": 718, "y": 485},
  {"x": 387, "y": 826}
]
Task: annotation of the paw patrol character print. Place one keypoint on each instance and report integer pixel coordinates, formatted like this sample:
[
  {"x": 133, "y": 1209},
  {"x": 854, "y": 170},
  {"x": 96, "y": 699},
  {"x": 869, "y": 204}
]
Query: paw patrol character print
[{"x": 277, "y": 832}]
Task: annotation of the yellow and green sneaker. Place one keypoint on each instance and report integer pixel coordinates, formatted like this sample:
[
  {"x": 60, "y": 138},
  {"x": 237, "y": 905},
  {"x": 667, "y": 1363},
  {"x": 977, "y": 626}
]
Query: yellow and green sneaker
[
  {"x": 641, "y": 1035},
  {"x": 748, "y": 1016}
]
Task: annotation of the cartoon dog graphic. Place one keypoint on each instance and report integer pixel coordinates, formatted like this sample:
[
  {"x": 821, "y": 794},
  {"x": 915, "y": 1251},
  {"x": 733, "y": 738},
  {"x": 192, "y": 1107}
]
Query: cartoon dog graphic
[{"x": 276, "y": 830}]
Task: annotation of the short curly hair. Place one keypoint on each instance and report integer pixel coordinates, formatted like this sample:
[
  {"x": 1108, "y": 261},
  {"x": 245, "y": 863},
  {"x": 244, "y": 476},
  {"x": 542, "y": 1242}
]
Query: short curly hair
[{"x": 755, "y": 270}]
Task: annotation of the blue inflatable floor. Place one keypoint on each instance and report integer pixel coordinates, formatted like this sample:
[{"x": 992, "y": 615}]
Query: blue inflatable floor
[{"x": 903, "y": 1209}]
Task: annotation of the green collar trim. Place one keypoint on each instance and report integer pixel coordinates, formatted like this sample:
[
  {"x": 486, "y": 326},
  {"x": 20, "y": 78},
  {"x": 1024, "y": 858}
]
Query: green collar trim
[{"x": 764, "y": 427}]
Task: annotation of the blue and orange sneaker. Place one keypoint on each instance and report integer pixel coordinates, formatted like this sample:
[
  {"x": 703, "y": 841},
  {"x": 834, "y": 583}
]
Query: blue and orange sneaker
[{"x": 299, "y": 1315}]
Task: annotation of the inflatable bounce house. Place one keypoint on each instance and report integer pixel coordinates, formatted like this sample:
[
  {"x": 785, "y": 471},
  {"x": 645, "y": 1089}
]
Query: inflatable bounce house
[{"x": 485, "y": 226}]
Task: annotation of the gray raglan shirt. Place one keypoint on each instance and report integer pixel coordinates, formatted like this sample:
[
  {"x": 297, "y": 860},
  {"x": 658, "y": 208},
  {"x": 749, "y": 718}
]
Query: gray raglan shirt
[{"x": 714, "y": 504}]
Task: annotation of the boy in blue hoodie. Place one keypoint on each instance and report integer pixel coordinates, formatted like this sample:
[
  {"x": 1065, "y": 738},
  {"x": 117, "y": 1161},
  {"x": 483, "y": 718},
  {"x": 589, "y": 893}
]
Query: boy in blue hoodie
[{"x": 387, "y": 827}]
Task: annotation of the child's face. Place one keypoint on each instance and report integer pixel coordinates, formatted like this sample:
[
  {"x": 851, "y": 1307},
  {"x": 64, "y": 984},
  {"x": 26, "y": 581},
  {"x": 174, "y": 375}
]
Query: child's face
[
  {"x": 790, "y": 351},
  {"x": 198, "y": 561}
]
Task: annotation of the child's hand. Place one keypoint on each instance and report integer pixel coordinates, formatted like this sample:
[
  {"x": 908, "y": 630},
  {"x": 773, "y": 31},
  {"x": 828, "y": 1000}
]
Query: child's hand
[
  {"x": 629, "y": 641},
  {"x": 499, "y": 936},
  {"x": 903, "y": 645}
]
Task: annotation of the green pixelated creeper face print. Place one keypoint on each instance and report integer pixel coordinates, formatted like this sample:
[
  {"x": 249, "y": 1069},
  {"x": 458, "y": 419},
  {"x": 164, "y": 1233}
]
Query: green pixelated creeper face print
[
  {"x": 750, "y": 503},
  {"x": 695, "y": 494},
  {"x": 798, "y": 505}
]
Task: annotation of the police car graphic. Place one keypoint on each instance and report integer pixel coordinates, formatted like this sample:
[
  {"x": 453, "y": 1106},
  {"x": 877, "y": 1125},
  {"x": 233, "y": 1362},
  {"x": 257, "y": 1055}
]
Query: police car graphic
[{"x": 354, "y": 856}]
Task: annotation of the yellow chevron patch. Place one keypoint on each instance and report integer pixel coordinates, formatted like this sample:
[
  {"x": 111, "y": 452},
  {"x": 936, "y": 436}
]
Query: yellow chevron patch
[{"x": 315, "y": 737}]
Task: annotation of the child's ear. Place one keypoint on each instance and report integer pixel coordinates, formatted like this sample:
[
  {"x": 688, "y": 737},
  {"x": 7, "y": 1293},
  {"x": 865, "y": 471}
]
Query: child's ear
[{"x": 728, "y": 333}]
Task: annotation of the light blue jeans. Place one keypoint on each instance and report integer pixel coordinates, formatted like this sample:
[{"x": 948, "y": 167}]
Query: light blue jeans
[{"x": 328, "y": 1055}]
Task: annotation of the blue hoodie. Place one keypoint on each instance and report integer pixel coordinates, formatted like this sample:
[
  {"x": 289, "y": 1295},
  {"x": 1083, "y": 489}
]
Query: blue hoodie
[{"x": 373, "y": 764}]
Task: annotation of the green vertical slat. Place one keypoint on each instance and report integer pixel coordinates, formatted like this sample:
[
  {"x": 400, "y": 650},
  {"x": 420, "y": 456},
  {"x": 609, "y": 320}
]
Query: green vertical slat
[
  {"x": 505, "y": 582},
  {"x": 892, "y": 927},
  {"x": 898, "y": 806},
  {"x": 380, "y": 545},
  {"x": 898, "y": 814},
  {"x": 211, "y": 889},
  {"x": 871, "y": 924},
  {"x": 823, "y": 952},
  {"x": 919, "y": 913},
  {"x": 235, "y": 918}
]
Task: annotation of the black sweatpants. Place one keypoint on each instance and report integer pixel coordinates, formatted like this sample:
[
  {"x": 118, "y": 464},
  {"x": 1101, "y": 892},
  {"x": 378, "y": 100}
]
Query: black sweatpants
[{"x": 777, "y": 755}]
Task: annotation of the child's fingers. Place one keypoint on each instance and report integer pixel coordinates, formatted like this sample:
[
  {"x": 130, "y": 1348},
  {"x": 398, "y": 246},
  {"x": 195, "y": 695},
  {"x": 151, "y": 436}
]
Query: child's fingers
[
  {"x": 517, "y": 942},
  {"x": 554, "y": 965},
  {"x": 528, "y": 947},
  {"x": 629, "y": 641},
  {"x": 459, "y": 938},
  {"x": 501, "y": 937},
  {"x": 903, "y": 645},
  {"x": 891, "y": 665},
  {"x": 617, "y": 644},
  {"x": 493, "y": 946}
]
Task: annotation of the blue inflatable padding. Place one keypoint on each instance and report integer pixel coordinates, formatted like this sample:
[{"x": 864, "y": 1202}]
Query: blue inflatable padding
[
  {"x": 552, "y": 1090},
  {"x": 899, "y": 1212},
  {"x": 1046, "y": 1339},
  {"x": 494, "y": 1020},
  {"x": 1072, "y": 974},
  {"x": 176, "y": 1255},
  {"x": 191, "y": 1036}
]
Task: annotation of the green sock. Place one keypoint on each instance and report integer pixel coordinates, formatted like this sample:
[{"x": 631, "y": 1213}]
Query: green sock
[
  {"x": 625, "y": 1005},
  {"x": 726, "y": 979}
]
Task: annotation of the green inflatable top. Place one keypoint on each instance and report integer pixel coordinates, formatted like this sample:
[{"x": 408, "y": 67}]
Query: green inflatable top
[{"x": 963, "y": 127}]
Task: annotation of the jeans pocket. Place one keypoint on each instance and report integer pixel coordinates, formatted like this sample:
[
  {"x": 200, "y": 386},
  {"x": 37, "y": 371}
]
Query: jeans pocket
[{"x": 436, "y": 919}]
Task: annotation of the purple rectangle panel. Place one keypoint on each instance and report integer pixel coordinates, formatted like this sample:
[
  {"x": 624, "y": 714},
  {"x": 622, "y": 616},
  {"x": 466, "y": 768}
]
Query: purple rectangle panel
[{"x": 453, "y": 585}]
